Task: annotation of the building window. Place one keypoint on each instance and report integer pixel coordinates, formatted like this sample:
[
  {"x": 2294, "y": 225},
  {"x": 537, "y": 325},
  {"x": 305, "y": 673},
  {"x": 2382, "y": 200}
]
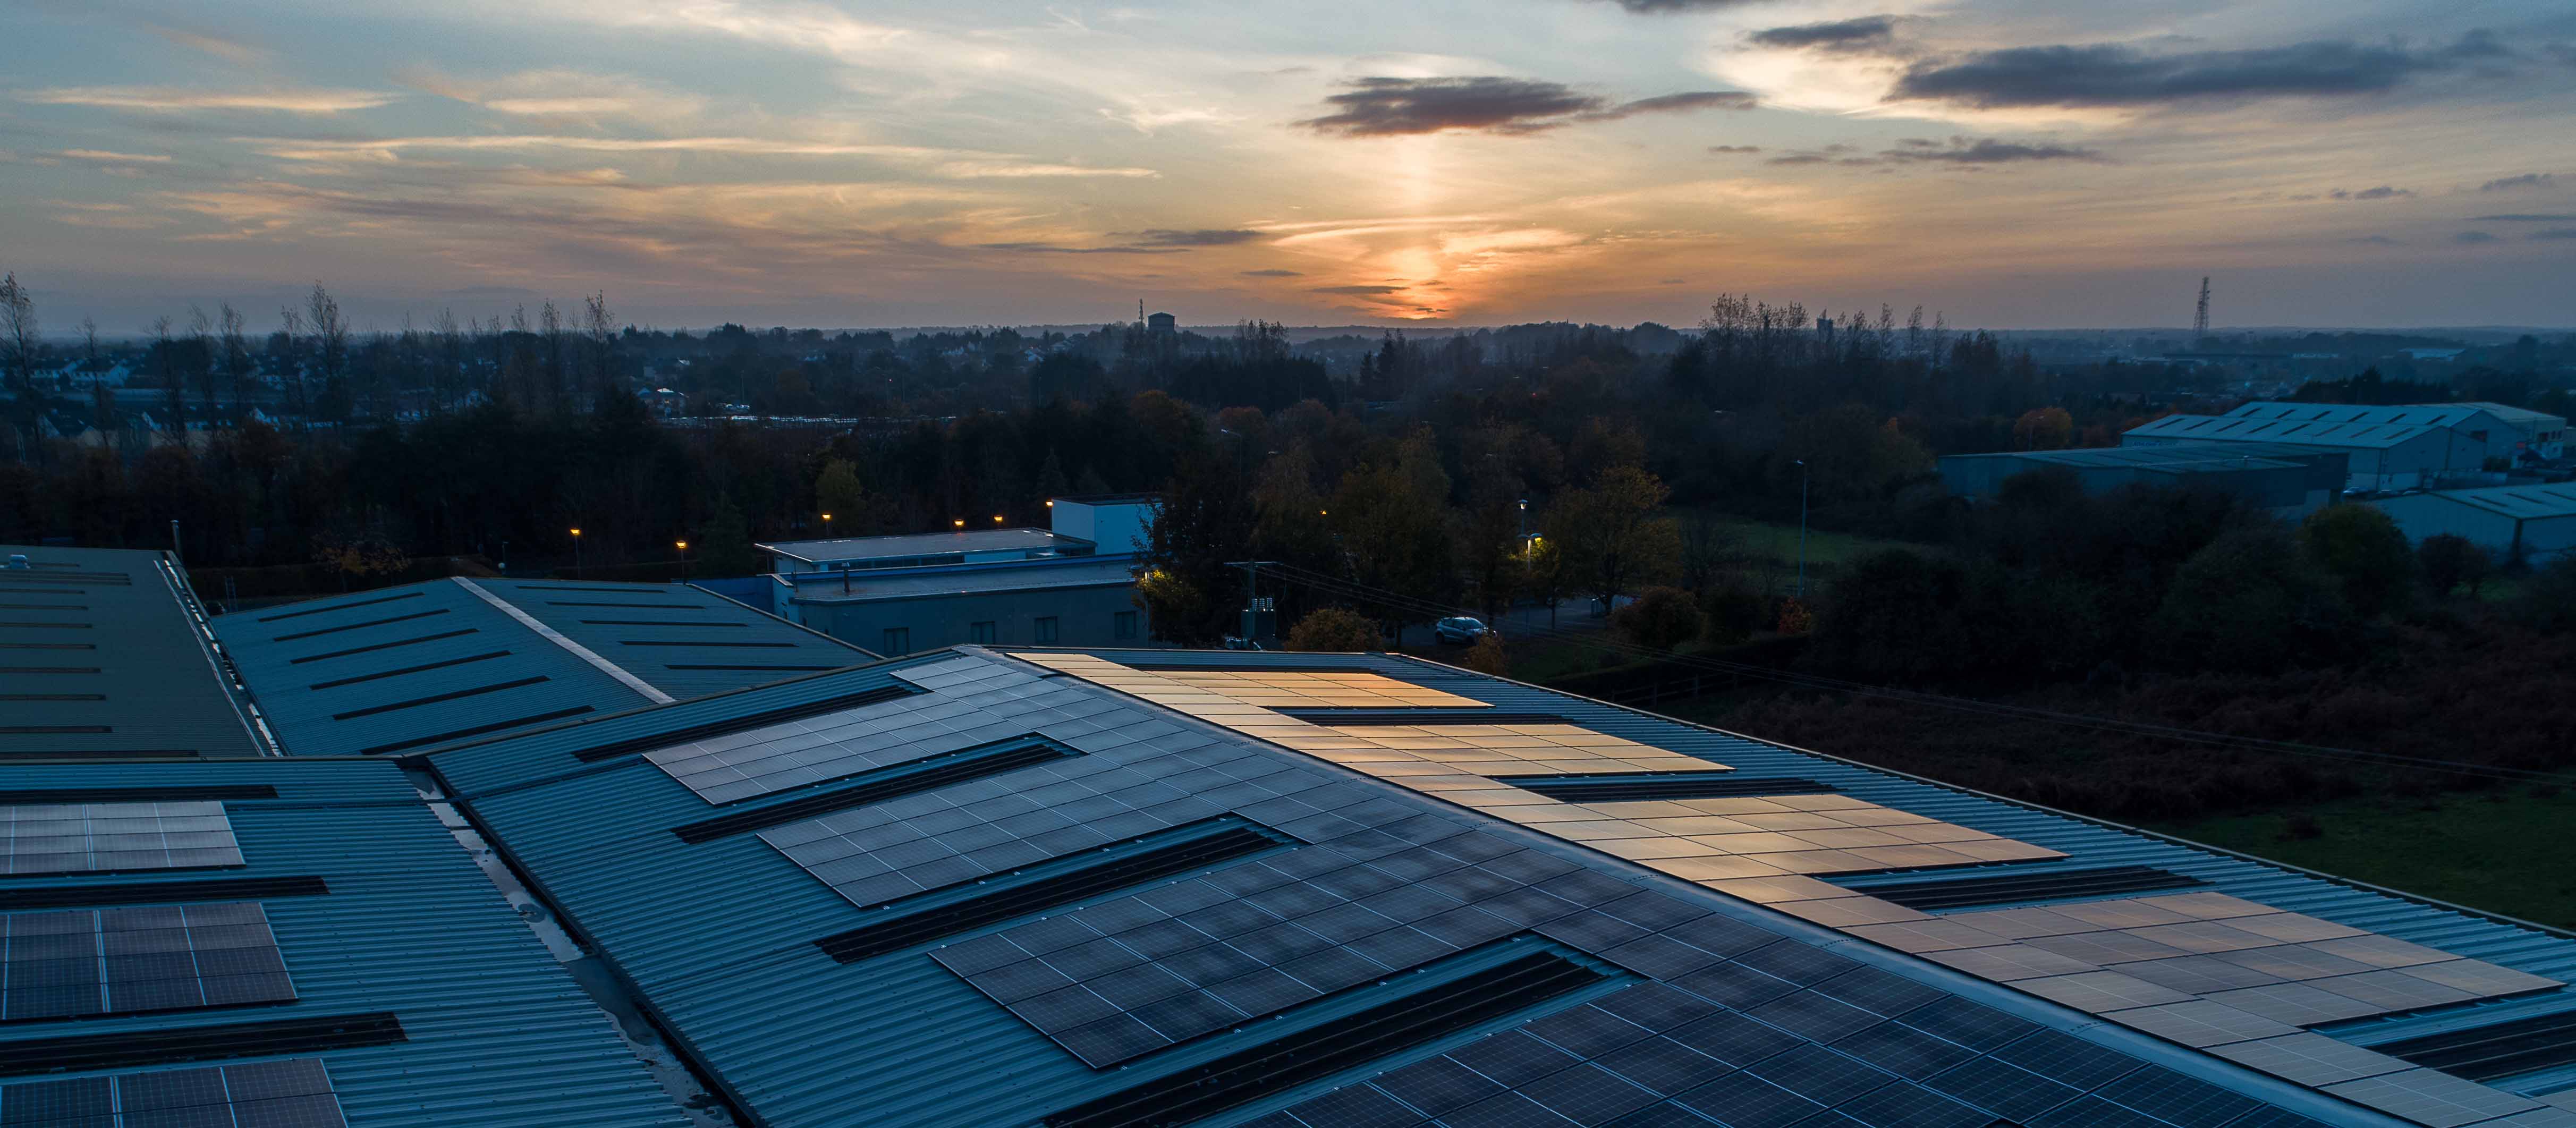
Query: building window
[
  {"x": 1046, "y": 630},
  {"x": 980, "y": 632},
  {"x": 1125, "y": 624},
  {"x": 898, "y": 640}
]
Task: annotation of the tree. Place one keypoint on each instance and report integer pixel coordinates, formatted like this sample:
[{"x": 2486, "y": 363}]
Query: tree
[
  {"x": 838, "y": 493},
  {"x": 1895, "y": 614},
  {"x": 2448, "y": 560},
  {"x": 1660, "y": 619},
  {"x": 2367, "y": 555},
  {"x": 2549, "y": 596},
  {"x": 331, "y": 350},
  {"x": 727, "y": 548},
  {"x": 2252, "y": 601},
  {"x": 1392, "y": 519},
  {"x": 1613, "y": 535},
  {"x": 2044, "y": 428},
  {"x": 1487, "y": 657},
  {"x": 1336, "y": 630},
  {"x": 20, "y": 340},
  {"x": 1203, "y": 524}
]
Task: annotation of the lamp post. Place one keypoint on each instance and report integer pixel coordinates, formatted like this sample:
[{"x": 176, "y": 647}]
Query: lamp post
[
  {"x": 505, "y": 556},
  {"x": 827, "y": 526},
  {"x": 576, "y": 553},
  {"x": 960, "y": 523},
  {"x": 997, "y": 520},
  {"x": 684, "y": 560},
  {"x": 1802, "y": 529}
]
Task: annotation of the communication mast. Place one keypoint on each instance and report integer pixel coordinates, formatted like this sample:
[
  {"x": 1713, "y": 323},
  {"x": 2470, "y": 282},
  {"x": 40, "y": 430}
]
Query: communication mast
[{"x": 2200, "y": 321}]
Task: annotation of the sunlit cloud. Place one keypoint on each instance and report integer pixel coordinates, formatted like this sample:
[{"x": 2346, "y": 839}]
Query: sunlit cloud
[{"x": 162, "y": 99}]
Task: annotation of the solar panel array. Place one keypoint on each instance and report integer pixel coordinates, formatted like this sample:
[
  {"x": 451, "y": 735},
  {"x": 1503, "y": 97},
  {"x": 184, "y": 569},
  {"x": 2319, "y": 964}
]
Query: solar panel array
[
  {"x": 110, "y": 837},
  {"x": 276, "y": 1094},
  {"x": 1718, "y": 1013},
  {"x": 2239, "y": 979},
  {"x": 131, "y": 960}
]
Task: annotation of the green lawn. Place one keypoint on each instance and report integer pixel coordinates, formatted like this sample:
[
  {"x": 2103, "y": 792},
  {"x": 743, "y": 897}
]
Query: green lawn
[
  {"x": 1780, "y": 541},
  {"x": 2505, "y": 852}
]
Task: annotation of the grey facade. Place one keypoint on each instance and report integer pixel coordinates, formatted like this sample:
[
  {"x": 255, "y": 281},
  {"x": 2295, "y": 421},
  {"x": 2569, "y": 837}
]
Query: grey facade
[
  {"x": 2537, "y": 523},
  {"x": 1087, "y": 602},
  {"x": 2290, "y": 481}
]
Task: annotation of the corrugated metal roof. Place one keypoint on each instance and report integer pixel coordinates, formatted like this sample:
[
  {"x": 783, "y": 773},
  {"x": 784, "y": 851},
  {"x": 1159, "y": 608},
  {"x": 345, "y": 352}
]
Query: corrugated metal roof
[
  {"x": 496, "y": 1032},
  {"x": 384, "y": 671},
  {"x": 685, "y": 641},
  {"x": 718, "y": 936},
  {"x": 2177, "y": 459},
  {"x": 852, "y": 549},
  {"x": 2521, "y": 502},
  {"x": 2229, "y": 428},
  {"x": 100, "y": 655},
  {"x": 2410, "y": 415},
  {"x": 971, "y": 579}
]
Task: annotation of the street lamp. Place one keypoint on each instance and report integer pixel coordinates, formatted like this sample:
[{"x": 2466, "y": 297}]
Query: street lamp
[
  {"x": 997, "y": 518},
  {"x": 684, "y": 559},
  {"x": 827, "y": 526},
  {"x": 1802, "y": 529},
  {"x": 960, "y": 523},
  {"x": 576, "y": 553}
]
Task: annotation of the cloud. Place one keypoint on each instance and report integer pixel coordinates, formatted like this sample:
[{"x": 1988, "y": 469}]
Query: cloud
[
  {"x": 1358, "y": 291},
  {"x": 2526, "y": 180},
  {"x": 2383, "y": 192},
  {"x": 230, "y": 50},
  {"x": 2473, "y": 237},
  {"x": 1202, "y": 237},
  {"x": 1272, "y": 273},
  {"x": 2118, "y": 75},
  {"x": 1735, "y": 148},
  {"x": 963, "y": 164},
  {"x": 2374, "y": 240},
  {"x": 559, "y": 93},
  {"x": 2555, "y": 233},
  {"x": 1059, "y": 249},
  {"x": 1394, "y": 107},
  {"x": 2524, "y": 217},
  {"x": 1668, "y": 7},
  {"x": 102, "y": 156},
  {"x": 1986, "y": 150},
  {"x": 1868, "y": 34},
  {"x": 160, "y": 99}
]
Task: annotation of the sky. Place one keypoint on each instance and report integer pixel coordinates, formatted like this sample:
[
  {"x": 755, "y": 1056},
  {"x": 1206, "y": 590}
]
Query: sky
[{"x": 2006, "y": 163}]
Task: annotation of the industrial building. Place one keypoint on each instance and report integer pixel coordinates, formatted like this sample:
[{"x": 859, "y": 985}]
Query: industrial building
[
  {"x": 2536, "y": 523},
  {"x": 101, "y": 653},
  {"x": 1071, "y": 584},
  {"x": 2290, "y": 481},
  {"x": 2493, "y": 430},
  {"x": 995, "y": 885}
]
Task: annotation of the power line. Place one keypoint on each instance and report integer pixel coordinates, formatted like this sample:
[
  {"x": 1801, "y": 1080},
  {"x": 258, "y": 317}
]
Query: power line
[{"x": 1351, "y": 589}]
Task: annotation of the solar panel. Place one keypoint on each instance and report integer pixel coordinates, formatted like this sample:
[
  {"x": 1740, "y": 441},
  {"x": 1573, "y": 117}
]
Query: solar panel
[
  {"x": 275, "y": 1094},
  {"x": 671, "y": 738},
  {"x": 923, "y": 775},
  {"x": 114, "y": 837},
  {"x": 1285, "y": 1062},
  {"x": 160, "y": 892},
  {"x": 139, "y": 960},
  {"x": 2496, "y": 1050}
]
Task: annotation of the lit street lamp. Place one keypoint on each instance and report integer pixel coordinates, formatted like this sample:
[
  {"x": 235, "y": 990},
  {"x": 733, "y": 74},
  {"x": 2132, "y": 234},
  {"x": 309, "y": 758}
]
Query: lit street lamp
[
  {"x": 576, "y": 553},
  {"x": 684, "y": 559}
]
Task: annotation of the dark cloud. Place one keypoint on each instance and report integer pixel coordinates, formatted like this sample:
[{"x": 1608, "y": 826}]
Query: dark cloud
[
  {"x": 2526, "y": 180},
  {"x": 2473, "y": 237},
  {"x": 1358, "y": 291},
  {"x": 2116, "y": 75},
  {"x": 2555, "y": 233},
  {"x": 2524, "y": 217},
  {"x": 1735, "y": 148},
  {"x": 1390, "y": 107},
  {"x": 1060, "y": 249},
  {"x": 2383, "y": 192},
  {"x": 1986, "y": 150},
  {"x": 1274, "y": 273},
  {"x": 1867, "y": 34},
  {"x": 1201, "y": 237}
]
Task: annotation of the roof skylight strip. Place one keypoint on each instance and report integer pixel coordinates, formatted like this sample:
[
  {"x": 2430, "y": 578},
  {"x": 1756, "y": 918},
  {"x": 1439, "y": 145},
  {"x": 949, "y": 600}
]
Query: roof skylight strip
[
  {"x": 668, "y": 738},
  {"x": 1322, "y": 1050},
  {"x": 1182, "y": 849},
  {"x": 359, "y": 626},
  {"x": 141, "y": 1048},
  {"x": 337, "y": 607},
  {"x": 2487, "y": 1053},
  {"x": 477, "y": 730},
  {"x": 877, "y": 787},
  {"x": 435, "y": 698},
  {"x": 161, "y": 892},
  {"x": 379, "y": 646},
  {"x": 356, "y": 678}
]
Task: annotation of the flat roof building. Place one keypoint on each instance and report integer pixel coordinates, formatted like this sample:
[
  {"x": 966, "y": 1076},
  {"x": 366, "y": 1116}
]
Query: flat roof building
[
  {"x": 2288, "y": 480},
  {"x": 2536, "y": 523},
  {"x": 105, "y": 654},
  {"x": 2382, "y": 456}
]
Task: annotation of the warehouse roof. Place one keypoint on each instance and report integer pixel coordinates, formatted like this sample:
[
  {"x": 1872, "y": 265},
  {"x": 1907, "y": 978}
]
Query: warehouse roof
[
  {"x": 2523, "y": 502},
  {"x": 852, "y": 550},
  {"x": 971, "y": 579},
  {"x": 267, "y": 972},
  {"x": 2407, "y": 415},
  {"x": 2232, "y": 428},
  {"x": 1148, "y": 887},
  {"x": 102, "y": 655},
  {"x": 2177, "y": 458},
  {"x": 685, "y": 641}
]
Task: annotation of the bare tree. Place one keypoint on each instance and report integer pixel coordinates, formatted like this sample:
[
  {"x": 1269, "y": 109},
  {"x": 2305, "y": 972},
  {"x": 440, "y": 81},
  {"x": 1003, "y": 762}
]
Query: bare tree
[
  {"x": 290, "y": 325},
  {"x": 550, "y": 324},
  {"x": 174, "y": 386},
  {"x": 237, "y": 366},
  {"x": 602, "y": 333},
  {"x": 330, "y": 341},
  {"x": 448, "y": 360},
  {"x": 89, "y": 341},
  {"x": 201, "y": 358},
  {"x": 18, "y": 334}
]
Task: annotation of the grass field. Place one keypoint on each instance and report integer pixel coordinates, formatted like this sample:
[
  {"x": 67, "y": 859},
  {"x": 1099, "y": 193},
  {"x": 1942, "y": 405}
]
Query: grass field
[
  {"x": 2506, "y": 852},
  {"x": 1780, "y": 541}
]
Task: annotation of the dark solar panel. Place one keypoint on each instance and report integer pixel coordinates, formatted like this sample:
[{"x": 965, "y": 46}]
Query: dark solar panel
[
  {"x": 1933, "y": 894},
  {"x": 668, "y": 738},
  {"x": 2067, "y": 1059},
  {"x": 1327, "y": 1048},
  {"x": 303, "y": 1034},
  {"x": 2501, "y": 1049},
  {"x": 877, "y": 787},
  {"x": 276, "y": 1094},
  {"x": 138, "y": 961},
  {"x": 1640, "y": 786},
  {"x": 2006, "y": 1090},
  {"x": 2186, "y": 1101},
  {"x": 116, "y": 837}
]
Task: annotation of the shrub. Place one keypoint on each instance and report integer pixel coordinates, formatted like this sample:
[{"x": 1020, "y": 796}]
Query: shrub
[
  {"x": 1660, "y": 619},
  {"x": 2449, "y": 560},
  {"x": 1732, "y": 610},
  {"x": 1334, "y": 629},
  {"x": 2251, "y": 601},
  {"x": 1486, "y": 657},
  {"x": 2549, "y": 597},
  {"x": 2366, "y": 554}
]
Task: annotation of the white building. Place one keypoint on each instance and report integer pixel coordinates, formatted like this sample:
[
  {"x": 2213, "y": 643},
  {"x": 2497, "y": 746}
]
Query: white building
[
  {"x": 2382, "y": 456},
  {"x": 2492, "y": 429}
]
